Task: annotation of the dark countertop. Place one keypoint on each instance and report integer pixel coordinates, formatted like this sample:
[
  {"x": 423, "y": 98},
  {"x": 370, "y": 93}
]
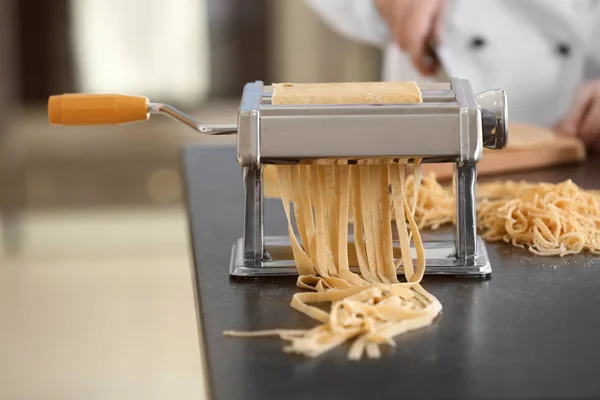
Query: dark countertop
[{"x": 531, "y": 331}]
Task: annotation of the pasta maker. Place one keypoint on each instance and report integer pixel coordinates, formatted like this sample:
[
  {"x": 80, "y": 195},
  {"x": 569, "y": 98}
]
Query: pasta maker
[{"x": 451, "y": 125}]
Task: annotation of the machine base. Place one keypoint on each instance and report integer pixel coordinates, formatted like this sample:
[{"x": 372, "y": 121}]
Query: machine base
[{"x": 440, "y": 256}]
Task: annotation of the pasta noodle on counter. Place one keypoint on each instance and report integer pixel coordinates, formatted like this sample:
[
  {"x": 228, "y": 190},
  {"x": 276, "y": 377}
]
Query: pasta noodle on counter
[
  {"x": 547, "y": 219},
  {"x": 370, "y": 307}
]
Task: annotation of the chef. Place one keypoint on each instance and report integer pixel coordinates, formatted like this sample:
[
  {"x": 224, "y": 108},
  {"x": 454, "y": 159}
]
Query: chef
[{"x": 544, "y": 53}]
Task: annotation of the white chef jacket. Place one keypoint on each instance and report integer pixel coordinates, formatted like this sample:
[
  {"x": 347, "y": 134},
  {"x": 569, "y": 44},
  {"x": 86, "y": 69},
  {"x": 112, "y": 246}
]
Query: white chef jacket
[{"x": 538, "y": 51}]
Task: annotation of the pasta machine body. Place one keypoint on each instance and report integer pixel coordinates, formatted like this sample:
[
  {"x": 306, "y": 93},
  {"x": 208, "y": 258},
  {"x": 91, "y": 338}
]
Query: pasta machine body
[{"x": 451, "y": 125}]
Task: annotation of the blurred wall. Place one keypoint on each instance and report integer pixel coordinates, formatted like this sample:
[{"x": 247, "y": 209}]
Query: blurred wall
[
  {"x": 142, "y": 45},
  {"x": 41, "y": 30},
  {"x": 304, "y": 49},
  {"x": 239, "y": 45},
  {"x": 145, "y": 47},
  {"x": 11, "y": 180},
  {"x": 279, "y": 40},
  {"x": 137, "y": 164},
  {"x": 9, "y": 88},
  {"x": 8, "y": 62}
]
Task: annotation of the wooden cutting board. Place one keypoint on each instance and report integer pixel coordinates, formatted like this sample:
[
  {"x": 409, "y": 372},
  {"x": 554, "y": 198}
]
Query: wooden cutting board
[{"x": 529, "y": 147}]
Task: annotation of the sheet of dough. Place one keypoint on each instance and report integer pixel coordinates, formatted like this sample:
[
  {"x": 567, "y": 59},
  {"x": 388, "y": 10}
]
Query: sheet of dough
[{"x": 347, "y": 93}]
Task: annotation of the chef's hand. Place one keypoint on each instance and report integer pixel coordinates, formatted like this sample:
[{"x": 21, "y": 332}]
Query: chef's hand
[
  {"x": 413, "y": 23},
  {"x": 583, "y": 118}
]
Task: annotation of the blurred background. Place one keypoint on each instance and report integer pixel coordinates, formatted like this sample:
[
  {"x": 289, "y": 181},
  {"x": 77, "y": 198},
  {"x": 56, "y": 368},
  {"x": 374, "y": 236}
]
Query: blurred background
[
  {"x": 195, "y": 54},
  {"x": 94, "y": 251}
]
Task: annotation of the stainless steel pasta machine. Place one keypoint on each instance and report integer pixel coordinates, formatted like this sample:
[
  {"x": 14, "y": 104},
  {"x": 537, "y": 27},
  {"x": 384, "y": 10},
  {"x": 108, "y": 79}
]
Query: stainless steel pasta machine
[{"x": 451, "y": 125}]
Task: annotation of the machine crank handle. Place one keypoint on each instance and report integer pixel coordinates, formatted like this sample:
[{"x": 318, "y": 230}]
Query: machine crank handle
[{"x": 117, "y": 109}]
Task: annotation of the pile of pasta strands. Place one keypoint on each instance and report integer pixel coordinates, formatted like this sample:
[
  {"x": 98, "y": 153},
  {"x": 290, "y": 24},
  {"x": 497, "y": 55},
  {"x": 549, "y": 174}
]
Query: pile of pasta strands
[
  {"x": 547, "y": 219},
  {"x": 370, "y": 307}
]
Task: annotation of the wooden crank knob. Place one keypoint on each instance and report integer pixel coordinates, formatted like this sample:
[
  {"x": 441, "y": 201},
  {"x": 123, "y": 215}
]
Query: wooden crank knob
[{"x": 96, "y": 109}]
